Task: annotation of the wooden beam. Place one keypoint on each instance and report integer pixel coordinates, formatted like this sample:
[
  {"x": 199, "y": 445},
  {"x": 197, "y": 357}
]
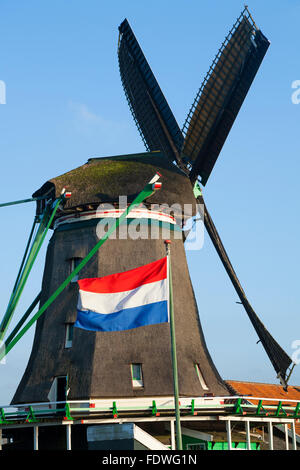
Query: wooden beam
[
  {"x": 228, "y": 430},
  {"x": 294, "y": 436},
  {"x": 248, "y": 437},
  {"x": 270, "y": 434},
  {"x": 256, "y": 419},
  {"x": 68, "y": 435},
  {"x": 35, "y": 438},
  {"x": 172, "y": 427}
]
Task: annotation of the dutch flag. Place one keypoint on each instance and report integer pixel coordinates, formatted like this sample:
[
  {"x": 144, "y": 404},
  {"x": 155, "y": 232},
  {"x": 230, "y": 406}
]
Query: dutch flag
[{"x": 125, "y": 300}]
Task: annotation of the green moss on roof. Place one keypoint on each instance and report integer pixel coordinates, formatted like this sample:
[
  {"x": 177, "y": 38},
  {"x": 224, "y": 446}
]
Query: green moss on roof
[
  {"x": 130, "y": 156},
  {"x": 96, "y": 173},
  {"x": 105, "y": 179}
]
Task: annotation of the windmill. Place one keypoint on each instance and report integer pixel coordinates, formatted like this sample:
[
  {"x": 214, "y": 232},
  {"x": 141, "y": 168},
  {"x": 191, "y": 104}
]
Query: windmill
[
  {"x": 137, "y": 363},
  {"x": 196, "y": 147}
]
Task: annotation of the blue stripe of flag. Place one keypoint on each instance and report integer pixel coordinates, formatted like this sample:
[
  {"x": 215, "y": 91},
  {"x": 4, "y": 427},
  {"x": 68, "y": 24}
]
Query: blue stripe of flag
[{"x": 126, "y": 319}]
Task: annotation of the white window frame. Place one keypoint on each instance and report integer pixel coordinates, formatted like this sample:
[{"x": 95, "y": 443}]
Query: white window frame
[
  {"x": 73, "y": 262},
  {"x": 201, "y": 378},
  {"x": 69, "y": 337},
  {"x": 137, "y": 383}
]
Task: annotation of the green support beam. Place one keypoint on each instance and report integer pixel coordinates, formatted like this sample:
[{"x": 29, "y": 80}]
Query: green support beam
[
  {"x": 3, "y": 419},
  {"x": 260, "y": 409},
  {"x": 297, "y": 411},
  {"x": 193, "y": 412},
  {"x": 6, "y": 319},
  {"x": 154, "y": 409},
  {"x": 280, "y": 411},
  {"x": 238, "y": 407},
  {"x": 22, "y": 201},
  {"x": 35, "y": 221},
  {"x": 24, "y": 318},
  {"x": 197, "y": 190},
  {"x": 46, "y": 222},
  {"x": 115, "y": 410},
  {"x": 31, "y": 418},
  {"x": 145, "y": 193},
  {"x": 67, "y": 416}
]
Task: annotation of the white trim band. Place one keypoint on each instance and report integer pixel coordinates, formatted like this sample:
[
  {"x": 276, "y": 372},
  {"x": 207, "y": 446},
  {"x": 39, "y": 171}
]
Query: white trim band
[
  {"x": 114, "y": 302},
  {"x": 114, "y": 214}
]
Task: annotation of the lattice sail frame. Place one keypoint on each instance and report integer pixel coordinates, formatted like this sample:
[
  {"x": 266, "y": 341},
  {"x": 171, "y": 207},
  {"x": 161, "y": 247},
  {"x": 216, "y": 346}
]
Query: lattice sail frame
[
  {"x": 218, "y": 87},
  {"x": 150, "y": 110},
  {"x": 196, "y": 152},
  {"x": 221, "y": 95}
]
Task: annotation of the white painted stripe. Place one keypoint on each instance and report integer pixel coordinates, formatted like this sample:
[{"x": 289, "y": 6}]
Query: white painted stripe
[
  {"x": 114, "y": 214},
  {"x": 155, "y": 178},
  {"x": 147, "y": 440},
  {"x": 111, "y": 303}
]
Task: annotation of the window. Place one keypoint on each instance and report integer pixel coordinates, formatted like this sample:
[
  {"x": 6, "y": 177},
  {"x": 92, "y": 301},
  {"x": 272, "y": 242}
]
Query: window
[
  {"x": 69, "y": 335},
  {"x": 137, "y": 376},
  {"x": 200, "y": 377},
  {"x": 58, "y": 391},
  {"x": 198, "y": 446},
  {"x": 73, "y": 263}
]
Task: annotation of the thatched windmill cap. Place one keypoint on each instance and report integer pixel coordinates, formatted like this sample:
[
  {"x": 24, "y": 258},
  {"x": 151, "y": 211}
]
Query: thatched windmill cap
[{"x": 103, "y": 180}]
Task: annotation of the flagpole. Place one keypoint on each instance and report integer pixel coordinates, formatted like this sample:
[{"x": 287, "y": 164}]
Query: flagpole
[{"x": 173, "y": 350}]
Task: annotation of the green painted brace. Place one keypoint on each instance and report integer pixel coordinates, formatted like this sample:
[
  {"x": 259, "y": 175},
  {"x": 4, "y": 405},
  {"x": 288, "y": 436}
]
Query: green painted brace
[
  {"x": 193, "y": 412},
  {"x": 296, "y": 412},
  {"x": 68, "y": 416},
  {"x": 22, "y": 201},
  {"x": 3, "y": 419},
  {"x": 197, "y": 190},
  {"x": 280, "y": 411},
  {"x": 154, "y": 409},
  {"x": 45, "y": 224},
  {"x": 147, "y": 192},
  {"x": 260, "y": 409},
  {"x": 115, "y": 410},
  {"x": 31, "y": 418},
  {"x": 238, "y": 407},
  {"x": 23, "y": 319}
]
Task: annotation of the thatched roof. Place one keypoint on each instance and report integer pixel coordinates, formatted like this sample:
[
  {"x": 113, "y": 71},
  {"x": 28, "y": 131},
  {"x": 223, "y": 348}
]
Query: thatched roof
[
  {"x": 105, "y": 179},
  {"x": 98, "y": 363}
]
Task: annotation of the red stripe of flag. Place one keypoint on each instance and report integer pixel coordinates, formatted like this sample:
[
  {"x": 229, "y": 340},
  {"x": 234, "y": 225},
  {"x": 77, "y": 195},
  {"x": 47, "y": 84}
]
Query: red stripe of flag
[{"x": 128, "y": 280}]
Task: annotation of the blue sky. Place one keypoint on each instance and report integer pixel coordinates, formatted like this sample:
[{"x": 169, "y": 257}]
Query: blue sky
[{"x": 65, "y": 103}]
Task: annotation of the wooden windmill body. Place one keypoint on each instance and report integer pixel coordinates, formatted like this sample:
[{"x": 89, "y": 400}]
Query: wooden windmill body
[{"x": 99, "y": 364}]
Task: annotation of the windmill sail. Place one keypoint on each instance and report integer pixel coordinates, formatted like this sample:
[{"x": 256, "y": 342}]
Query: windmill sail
[
  {"x": 221, "y": 95},
  {"x": 278, "y": 357},
  {"x": 151, "y": 112},
  {"x": 196, "y": 148}
]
